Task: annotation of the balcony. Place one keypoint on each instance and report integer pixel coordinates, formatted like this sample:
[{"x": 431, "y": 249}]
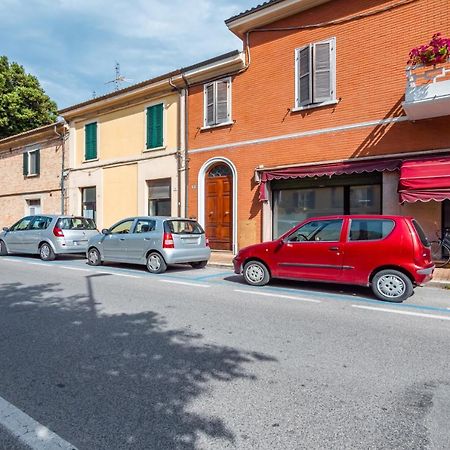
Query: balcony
[{"x": 427, "y": 92}]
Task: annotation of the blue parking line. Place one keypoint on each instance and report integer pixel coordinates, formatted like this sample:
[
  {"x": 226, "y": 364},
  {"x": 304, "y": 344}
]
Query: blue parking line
[{"x": 213, "y": 275}]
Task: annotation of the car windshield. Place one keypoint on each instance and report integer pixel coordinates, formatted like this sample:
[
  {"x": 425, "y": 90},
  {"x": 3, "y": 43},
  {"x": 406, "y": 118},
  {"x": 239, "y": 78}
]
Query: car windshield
[
  {"x": 76, "y": 223},
  {"x": 183, "y": 227}
]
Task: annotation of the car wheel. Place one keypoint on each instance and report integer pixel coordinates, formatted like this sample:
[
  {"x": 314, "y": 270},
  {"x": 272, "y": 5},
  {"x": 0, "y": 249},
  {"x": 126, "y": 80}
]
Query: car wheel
[
  {"x": 3, "y": 251},
  {"x": 199, "y": 264},
  {"x": 156, "y": 263},
  {"x": 46, "y": 252},
  {"x": 392, "y": 285},
  {"x": 94, "y": 258},
  {"x": 256, "y": 273}
]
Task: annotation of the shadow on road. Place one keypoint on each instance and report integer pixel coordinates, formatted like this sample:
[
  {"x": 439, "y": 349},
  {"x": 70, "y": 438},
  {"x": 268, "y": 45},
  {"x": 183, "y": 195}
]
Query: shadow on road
[{"x": 110, "y": 381}]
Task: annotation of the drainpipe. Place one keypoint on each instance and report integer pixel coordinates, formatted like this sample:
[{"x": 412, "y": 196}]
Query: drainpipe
[
  {"x": 63, "y": 151},
  {"x": 180, "y": 144},
  {"x": 186, "y": 144}
]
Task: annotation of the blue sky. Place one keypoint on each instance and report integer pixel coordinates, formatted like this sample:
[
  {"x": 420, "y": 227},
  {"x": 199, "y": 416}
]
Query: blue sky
[{"x": 72, "y": 45}]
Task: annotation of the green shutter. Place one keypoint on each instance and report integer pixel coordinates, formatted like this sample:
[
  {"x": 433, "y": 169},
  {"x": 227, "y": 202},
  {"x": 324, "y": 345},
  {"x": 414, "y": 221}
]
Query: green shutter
[
  {"x": 155, "y": 126},
  {"x": 25, "y": 164},
  {"x": 90, "y": 132},
  {"x": 38, "y": 162}
]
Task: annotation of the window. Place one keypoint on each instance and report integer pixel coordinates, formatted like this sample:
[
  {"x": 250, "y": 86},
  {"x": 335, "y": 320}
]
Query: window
[
  {"x": 183, "y": 227},
  {"x": 31, "y": 163},
  {"x": 34, "y": 207},
  {"x": 370, "y": 230},
  {"x": 40, "y": 223},
  {"x": 217, "y": 99},
  {"x": 122, "y": 227},
  {"x": 76, "y": 223},
  {"x": 22, "y": 224},
  {"x": 365, "y": 199},
  {"x": 315, "y": 74},
  {"x": 89, "y": 202},
  {"x": 159, "y": 199},
  {"x": 145, "y": 226},
  {"x": 319, "y": 230},
  {"x": 155, "y": 126},
  {"x": 90, "y": 141}
]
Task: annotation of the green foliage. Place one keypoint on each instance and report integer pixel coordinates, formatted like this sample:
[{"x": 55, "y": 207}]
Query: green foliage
[{"x": 23, "y": 103}]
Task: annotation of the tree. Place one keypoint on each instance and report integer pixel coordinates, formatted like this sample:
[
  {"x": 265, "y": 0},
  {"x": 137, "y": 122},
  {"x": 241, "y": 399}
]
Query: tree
[{"x": 24, "y": 105}]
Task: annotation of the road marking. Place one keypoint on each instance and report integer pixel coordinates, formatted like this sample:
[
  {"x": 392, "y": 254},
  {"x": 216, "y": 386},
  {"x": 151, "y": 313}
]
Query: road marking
[
  {"x": 73, "y": 268},
  {"x": 28, "y": 431},
  {"x": 407, "y": 313},
  {"x": 123, "y": 275},
  {"x": 266, "y": 294},
  {"x": 186, "y": 283}
]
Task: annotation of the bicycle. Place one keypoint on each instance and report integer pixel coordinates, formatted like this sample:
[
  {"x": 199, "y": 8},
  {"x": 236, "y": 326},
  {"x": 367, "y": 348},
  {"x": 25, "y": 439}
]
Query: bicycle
[{"x": 440, "y": 250}]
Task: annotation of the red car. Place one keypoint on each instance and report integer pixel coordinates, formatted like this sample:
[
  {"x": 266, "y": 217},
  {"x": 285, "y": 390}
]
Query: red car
[{"x": 389, "y": 253}]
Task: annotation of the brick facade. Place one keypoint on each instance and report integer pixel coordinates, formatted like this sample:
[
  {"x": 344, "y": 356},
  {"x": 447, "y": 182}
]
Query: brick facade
[
  {"x": 17, "y": 189},
  {"x": 371, "y": 55}
]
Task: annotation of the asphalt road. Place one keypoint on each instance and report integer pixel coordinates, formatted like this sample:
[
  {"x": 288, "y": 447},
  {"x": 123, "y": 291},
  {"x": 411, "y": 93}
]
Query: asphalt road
[{"x": 115, "y": 358}]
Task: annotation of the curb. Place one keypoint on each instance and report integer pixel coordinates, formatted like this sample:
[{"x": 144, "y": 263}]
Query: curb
[
  {"x": 221, "y": 265},
  {"x": 438, "y": 284}
]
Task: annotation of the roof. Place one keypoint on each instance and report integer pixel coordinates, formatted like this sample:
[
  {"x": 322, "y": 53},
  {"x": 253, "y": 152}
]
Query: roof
[
  {"x": 149, "y": 82},
  {"x": 30, "y": 133},
  {"x": 253, "y": 10}
]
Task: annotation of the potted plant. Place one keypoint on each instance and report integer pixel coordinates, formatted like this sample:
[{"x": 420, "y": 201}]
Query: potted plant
[{"x": 436, "y": 52}]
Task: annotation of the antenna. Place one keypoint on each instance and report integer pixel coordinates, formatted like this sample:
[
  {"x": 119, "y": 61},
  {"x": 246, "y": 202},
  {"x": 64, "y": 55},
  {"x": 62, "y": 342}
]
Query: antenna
[{"x": 118, "y": 79}]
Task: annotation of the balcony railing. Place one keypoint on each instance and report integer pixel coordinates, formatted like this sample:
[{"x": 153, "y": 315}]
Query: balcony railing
[{"x": 427, "y": 92}]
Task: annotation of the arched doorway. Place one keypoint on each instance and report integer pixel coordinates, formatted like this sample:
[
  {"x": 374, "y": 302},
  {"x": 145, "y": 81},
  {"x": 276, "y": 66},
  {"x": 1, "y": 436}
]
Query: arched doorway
[{"x": 219, "y": 206}]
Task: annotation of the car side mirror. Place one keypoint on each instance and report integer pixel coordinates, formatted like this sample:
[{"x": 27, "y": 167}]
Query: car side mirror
[
  {"x": 5, "y": 229},
  {"x": 105, "y": 231}
]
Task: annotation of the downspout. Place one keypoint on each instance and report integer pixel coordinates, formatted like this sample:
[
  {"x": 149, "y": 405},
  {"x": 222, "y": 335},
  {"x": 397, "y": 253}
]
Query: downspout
[
  {"x": 62, "y": 184},
  {"x": 179, "y": 149},
  {"x": 186, "y": 144}
]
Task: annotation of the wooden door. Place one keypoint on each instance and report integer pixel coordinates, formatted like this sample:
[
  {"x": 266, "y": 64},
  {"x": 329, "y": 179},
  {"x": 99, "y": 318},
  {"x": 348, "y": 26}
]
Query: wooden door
[{"x": 219, "y": 207}]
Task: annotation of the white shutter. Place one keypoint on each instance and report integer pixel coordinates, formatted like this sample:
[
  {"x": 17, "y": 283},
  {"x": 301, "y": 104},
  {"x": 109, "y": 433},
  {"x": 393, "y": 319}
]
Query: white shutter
[
  {"x": 209, "y": 105},
  {"x": 322, "y": 72},
  {"x": 222, "y": 108},
  {"x": 304, "y": 89}
]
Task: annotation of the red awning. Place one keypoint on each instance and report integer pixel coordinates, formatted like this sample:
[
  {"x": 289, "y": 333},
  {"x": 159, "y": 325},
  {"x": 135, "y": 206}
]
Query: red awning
[
  {"x": 425, "y": 179},
  {"x": 321, "y": 170}
]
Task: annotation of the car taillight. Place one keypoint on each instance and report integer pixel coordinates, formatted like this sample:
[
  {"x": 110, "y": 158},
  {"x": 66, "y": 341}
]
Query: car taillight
[
  {"x": 168, "y": 241},
  {"x": 206, "y": 241},
  {"x": 58, "y": 232}
]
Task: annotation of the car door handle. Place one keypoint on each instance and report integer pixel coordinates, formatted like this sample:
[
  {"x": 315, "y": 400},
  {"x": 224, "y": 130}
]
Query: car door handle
[
  {"x": 147, "y": 239},
  {"x": 122, "y": 239},
  {"x": 334, "y": 249}
]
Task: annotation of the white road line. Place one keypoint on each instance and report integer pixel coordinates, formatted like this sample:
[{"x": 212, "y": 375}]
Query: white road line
[
  {"x": 72, "y": 268},
  {"x": 267, "y": 294},
  {"x": 406, "y": 313},
  {"x": 185, "y": 283},
  {"x": 123, "y": 275},
  {"x": 29, "y": 432}
]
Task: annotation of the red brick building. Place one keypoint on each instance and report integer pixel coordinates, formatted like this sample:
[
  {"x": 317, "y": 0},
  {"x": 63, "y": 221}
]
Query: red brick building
[{"x": 316, "y": 117}]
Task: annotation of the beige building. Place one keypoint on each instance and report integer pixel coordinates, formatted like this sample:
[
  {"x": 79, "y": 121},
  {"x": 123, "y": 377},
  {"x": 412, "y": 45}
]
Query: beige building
[
  {"x": 126, "y": 151},
  {"x": 31, "y": 165}
]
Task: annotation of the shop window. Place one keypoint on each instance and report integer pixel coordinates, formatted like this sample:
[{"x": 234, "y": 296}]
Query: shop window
[
  {"x": 159, "y": 197},
  {"x": 365, "y": 199},
  {"x": 89, "y": 202}
]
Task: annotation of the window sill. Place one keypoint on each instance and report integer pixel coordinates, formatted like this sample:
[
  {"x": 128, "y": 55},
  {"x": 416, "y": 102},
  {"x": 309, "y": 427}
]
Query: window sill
[
  {"x": 86, "y": 161},
  {"x": 154, "y": 149},
  {"x": 314, "y": 105},
  {"x": 32, "y": 175},
  {"x": 224, "y": 124}
]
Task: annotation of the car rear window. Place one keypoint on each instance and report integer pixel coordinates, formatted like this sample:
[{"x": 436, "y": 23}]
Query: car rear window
[
  {"x": 370, "y": 229},
  {"x": 76, "y": 223},
  {"x": 183, "y": 227},
  {"x": 422, "y": 236}
]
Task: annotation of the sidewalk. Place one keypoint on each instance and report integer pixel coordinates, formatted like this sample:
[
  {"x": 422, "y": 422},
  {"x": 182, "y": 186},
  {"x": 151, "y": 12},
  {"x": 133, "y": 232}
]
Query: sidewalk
[{"x": 441, "y": 277}]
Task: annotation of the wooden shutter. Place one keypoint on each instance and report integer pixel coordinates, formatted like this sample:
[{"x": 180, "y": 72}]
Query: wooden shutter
[
  {"x": 38, "y": 162},
  {"x": 210, "y": 113},
  {"x": 222, "y": 99},
  {"x": 25, "y": 164},
  {"x": 304, "y": 63},
  {"x": 90, "y": 132},
  {"x": 322, "y": 72},
  {"x": 155, "y": 126}
]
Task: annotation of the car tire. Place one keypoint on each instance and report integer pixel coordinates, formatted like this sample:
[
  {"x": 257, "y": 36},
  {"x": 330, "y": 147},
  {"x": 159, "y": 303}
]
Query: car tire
[
  {"x": 256, "y": 273},
  {"x": 93, "y": 257},
  {"x": 392, "y": 286},
  {"x": 198, "y": 264},
  {"x": 46, "y": 252},
  {"x": 3, "y": 251},
  {"x": 156, "y": 263}
]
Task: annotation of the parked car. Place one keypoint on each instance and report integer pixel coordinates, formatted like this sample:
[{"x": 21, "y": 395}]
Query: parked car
[
  {"x": 151, "y": 241},
  {"x": 389, "y": 253},
  {"x": 47, "y": 236}
]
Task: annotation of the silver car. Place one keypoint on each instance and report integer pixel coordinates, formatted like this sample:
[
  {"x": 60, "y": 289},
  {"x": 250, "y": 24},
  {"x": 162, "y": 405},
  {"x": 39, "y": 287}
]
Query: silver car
[
  {"x": 151, "y": 241},
  {"x": 47, "y": 236}
]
